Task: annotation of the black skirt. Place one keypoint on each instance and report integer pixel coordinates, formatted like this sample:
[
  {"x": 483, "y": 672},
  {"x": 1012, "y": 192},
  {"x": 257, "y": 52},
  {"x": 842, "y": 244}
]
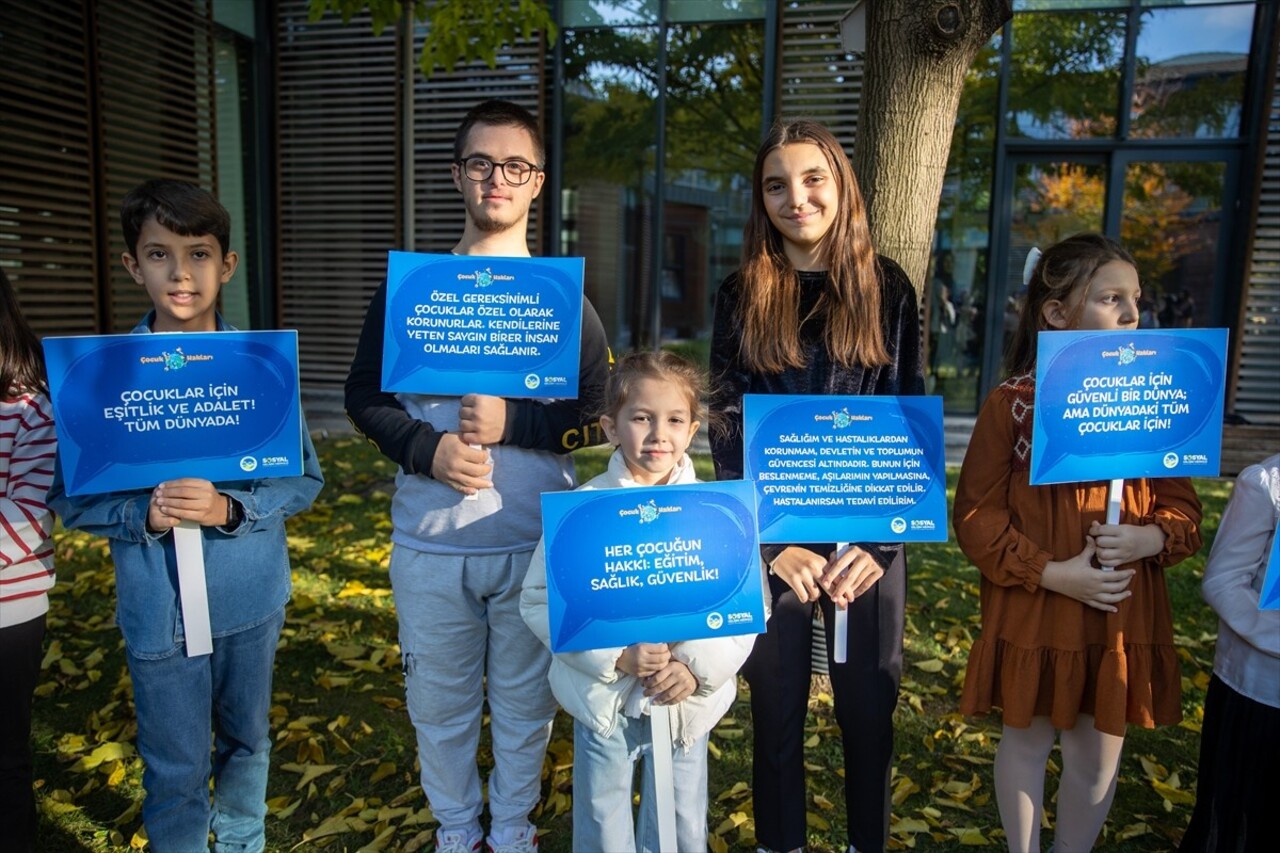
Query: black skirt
[{"x": 1238, "y": 790}]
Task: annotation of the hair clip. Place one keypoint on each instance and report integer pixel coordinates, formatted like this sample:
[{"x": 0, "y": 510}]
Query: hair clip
[{"x": 1033, "y": 258}]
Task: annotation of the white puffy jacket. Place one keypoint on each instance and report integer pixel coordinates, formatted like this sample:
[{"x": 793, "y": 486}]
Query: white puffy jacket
[{"x": 591, "y": 687}]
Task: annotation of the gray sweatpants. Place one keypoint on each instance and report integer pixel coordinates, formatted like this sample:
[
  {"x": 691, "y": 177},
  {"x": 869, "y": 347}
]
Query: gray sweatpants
[{"x": 460, "y": 628}]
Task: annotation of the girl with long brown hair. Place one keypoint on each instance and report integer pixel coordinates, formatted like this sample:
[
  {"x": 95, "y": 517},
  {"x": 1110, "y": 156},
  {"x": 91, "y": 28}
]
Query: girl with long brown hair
[
  {"x": 27, "y": 446},
  {"x": 814, "y": 310}
]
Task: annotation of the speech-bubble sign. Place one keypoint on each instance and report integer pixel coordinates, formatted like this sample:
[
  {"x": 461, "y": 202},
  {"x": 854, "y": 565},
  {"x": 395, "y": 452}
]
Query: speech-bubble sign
[
  {"x": 846, "y": 468},
  {"x": 461, "y": 324},
  {"x": 651, "y": 564},
  {"x": 1121, "y": 404},
  {"x": 135, "y": 410},
  {"x": 1269, "y": 599}
]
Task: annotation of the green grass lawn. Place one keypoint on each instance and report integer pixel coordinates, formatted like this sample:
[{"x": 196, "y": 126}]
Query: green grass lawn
[{"x": 343, "y": 773}]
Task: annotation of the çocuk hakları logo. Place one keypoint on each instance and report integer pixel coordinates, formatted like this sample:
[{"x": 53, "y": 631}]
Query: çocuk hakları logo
[
  {"x": 175, "y": 360},
  {"x": 648, "y": 512},
  {"x": 841, "y": 419},
  {"x": 1127, "y": 353}
]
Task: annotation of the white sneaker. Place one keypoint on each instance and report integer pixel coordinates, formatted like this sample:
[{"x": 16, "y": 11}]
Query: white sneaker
[
  {"x": 520, "y": 841},
  {"x": 459, "y": 841}
]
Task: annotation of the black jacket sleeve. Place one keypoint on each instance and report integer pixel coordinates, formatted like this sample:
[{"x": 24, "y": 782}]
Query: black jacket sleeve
[
  {"x": 904, "y": 375},
  {"x": 564, "y": 425},
  {"x": 557, "y": 426},
  {"x": 377, "y": 414},
  {"x": 729, "y": 381}
]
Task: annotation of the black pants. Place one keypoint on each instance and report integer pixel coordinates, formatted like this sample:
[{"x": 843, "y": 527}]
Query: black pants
[
  {"x": 865, "y": 689},
  {"x": 19, "y": 669}
]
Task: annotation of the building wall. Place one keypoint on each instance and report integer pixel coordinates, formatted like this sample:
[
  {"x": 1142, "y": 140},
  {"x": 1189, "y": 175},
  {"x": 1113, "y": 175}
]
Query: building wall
[
  {"x": 344, "y": 185},
  {"x": 1258, "y": 374},
  {"x": 89, "y": 111}
]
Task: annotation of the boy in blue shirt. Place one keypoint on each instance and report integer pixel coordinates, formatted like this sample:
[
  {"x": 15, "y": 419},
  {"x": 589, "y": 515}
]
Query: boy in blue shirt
[{"x": 177, "y": 237}]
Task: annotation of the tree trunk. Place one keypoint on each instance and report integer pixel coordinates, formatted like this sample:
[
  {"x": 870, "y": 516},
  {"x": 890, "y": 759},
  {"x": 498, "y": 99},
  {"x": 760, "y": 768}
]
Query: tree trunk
[{"x": 917, "y": 55}]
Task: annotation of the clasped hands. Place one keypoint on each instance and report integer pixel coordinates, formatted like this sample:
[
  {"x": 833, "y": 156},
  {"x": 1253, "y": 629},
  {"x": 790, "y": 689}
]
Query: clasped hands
[
  {"x": 1112, "y": 545},
  {"x": 666, "y": 680},
  {"x": 843, "y": 576}
]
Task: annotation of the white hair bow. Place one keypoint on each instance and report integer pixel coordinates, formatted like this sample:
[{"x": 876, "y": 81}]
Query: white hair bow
[{"x": 1033, "y": 258}]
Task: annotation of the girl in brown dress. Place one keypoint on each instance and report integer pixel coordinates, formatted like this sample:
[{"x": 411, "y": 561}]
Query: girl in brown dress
[{"x": 1067, "y": 646}]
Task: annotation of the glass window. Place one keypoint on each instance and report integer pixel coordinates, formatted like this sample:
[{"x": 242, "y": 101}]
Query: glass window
[
  {"x": 1059, "y": 5},
  {"x": 1190, "y": 78},
  {"x": 1052, "y": 199},
  {"x": 1064, "y": 76},
  {"x": 957, "y": 283},
  {"x": 608, "y": 13},
  {"x": 622, "y": 13},
  {"x": 1171, "y": 219},
  {"x": 713, "y": 124},
  {"x": 233, "y": 96}
]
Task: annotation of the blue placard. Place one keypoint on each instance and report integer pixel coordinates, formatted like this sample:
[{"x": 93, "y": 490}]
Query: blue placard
[
  {"x": 467, "y": 324},
  {"x": 846, "y": 468},
  {"x": 658, "y": 564},
  {"x": 1121, "y": 404},
  {"x": 1269, "y": 599},
  {"x": 136, "y": 410}
]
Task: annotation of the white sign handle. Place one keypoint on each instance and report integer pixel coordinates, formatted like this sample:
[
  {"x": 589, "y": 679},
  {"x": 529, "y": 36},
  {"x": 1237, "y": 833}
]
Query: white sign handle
[
  {"x": 474, "y": 496},
  {"x": 188, "y": 545},
  {"x": 841, "y": 639},
  {"x": 664, "y": 786},
  {"x": 1115, "y": 493}
]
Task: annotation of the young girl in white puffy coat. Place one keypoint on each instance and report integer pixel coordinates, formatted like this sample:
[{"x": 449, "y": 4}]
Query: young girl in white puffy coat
[{"x": 652, "y": 407}]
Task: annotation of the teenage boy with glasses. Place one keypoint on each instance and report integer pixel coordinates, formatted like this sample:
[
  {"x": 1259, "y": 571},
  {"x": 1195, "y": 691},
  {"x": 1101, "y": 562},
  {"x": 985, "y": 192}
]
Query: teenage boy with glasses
[{"x": 457, "y": 565}]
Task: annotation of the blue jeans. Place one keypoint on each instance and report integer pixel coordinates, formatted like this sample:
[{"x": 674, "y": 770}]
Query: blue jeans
[
  {"x": 176, "y": 698},
  {"x": 603, "y": 769}
]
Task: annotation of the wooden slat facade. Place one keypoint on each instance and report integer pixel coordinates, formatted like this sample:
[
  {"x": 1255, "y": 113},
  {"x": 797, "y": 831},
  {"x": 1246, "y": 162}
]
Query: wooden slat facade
[
  {"x": 817, "y": 79},
  {"x": 89, "y": 110},
  {"x": 1257, "y": 380},
  {"x": 47, "y": 215},
  {"x": 341, "y": 180},
  {"x": 337, "y": 180}
]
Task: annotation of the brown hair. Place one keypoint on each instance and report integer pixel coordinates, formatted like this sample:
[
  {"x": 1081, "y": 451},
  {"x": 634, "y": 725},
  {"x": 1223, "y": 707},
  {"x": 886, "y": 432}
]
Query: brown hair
[
  {"x": 499, "y": 114},
  {"x": 21, "y": 358},
  {"x": 768, "y": 310},
  {"x": 663, "y": 366},
  {"x": 1065, "y": 267}
]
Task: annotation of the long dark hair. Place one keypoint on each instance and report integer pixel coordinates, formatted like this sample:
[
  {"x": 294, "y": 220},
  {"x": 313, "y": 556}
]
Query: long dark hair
[
  {"x": 1064, "y": 268},
  {"x": 21, "y": 358},
  {"x": 769, "y": 305}
]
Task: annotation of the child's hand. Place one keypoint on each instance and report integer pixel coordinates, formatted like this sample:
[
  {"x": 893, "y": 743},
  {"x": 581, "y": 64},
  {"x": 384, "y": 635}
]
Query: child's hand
[
  {"x": 643, "y": 659},
  {"x": 1123, "y": 543},
  {"x": 188, "y": 499},
  {"x": 460, "y": 466},
  {"x": 1077, "y": 578},
  {"x": 849, "y": 574},
  {"x": 801, "y": 569},
  {"x": 482, "y": 419},
  {"x": 672, "y": 684}
]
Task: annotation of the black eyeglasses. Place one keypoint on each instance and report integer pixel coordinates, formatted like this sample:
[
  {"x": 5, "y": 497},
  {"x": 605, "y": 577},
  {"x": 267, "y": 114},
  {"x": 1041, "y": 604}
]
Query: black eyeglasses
[{"x": 516, "y": 172}]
